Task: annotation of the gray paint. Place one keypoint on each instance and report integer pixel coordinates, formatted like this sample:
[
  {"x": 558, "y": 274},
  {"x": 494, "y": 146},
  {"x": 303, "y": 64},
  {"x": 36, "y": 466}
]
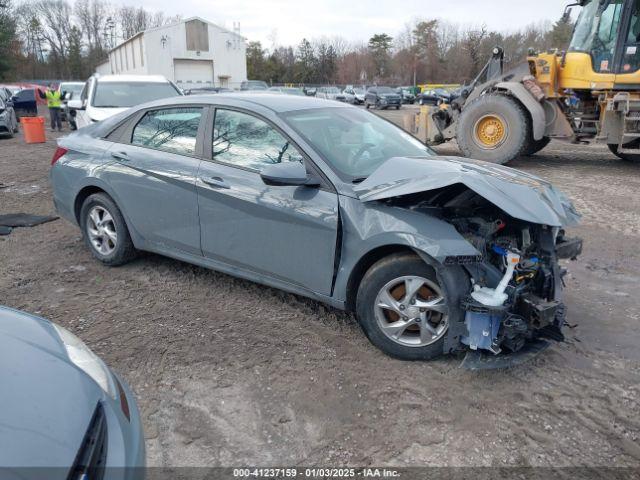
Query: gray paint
[
  {"x": 521, "y": 195},
  {"x": 286, "y": 237},
  {"x": 47, "y": 402}
]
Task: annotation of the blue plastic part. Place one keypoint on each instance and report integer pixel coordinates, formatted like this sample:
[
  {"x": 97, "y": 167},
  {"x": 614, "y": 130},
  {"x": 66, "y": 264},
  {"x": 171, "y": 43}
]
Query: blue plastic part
[
  {"x": 483, "y": 329},
  {"x": 499, "y": 250}
]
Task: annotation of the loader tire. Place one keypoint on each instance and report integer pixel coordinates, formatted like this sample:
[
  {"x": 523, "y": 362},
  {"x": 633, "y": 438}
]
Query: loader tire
[
  {"x": 627, "y": 157},
  {"x": 534, "y": 146},
  {"x": 494, "y": 128}
]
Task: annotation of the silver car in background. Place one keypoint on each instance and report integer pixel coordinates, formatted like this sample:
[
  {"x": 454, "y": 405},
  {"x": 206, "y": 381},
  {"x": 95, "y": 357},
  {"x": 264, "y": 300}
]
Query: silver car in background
[
  {"x": 8, "y": 118},
  {"x": 64, "y": 414},
  {"x": 331, "y": 93},
  {"x": 328, "y": 201}
]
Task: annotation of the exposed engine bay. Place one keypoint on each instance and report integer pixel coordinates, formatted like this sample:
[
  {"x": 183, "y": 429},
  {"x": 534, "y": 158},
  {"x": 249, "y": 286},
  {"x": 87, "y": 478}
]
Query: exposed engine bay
[{"x": 516, "y": 280}]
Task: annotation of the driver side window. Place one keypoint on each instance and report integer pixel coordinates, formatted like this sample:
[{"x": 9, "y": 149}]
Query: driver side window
[{"x": 242, "y": 140}]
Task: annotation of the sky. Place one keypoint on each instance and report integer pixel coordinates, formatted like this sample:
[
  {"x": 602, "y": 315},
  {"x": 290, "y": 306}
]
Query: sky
[{"x": 288, "y": 21}]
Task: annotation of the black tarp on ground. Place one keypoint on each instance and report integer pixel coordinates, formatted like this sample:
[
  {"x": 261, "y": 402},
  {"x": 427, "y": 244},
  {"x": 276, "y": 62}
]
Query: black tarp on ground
[{"x": 10, "y": 220}]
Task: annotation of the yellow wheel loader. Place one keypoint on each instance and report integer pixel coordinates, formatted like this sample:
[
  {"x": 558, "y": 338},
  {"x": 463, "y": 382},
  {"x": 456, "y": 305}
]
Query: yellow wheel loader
[{"x": 590, "y": 93}]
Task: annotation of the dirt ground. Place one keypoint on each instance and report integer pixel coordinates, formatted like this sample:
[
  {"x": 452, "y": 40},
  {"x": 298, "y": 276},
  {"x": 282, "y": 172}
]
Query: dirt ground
[{"x": 228, "y": 372}]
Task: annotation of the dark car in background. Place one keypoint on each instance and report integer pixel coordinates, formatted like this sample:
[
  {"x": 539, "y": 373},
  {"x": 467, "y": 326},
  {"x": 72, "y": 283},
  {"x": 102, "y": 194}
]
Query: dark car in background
[
  {"x": 25, "y": 103},
  {"x": 65, "y": 415},
  {"x": 407, "y": 95},
  {"x": 382, "y": 98},
  {"x": 434, "y": 96}
]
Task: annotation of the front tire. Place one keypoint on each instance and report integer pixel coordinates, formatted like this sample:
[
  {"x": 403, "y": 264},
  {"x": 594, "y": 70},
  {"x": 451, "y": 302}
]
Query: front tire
[
  {"x": 494, "y": 128},
  {"x": 627, "y": 157},
  {"x": 105, "y": 231},
  {"x": 402, "y": 308}
]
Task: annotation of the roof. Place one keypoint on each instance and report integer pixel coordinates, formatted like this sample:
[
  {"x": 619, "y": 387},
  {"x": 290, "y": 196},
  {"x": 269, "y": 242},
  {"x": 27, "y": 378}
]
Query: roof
[
  {"x": 169, "y": 25},
  {"x": 277, "y": 102},
  {"x": 133, "y": 78}
]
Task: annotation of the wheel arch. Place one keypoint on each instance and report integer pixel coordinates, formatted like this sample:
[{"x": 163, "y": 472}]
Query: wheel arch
[
  {"x": 95, "y": 185},
  {"x": 534, "y": 108},
  {"x": 82, "y": 195},
  {"x": 367, "y": 260}
]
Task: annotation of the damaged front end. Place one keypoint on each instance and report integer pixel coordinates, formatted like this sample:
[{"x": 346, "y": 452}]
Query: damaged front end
[{"x": 515, "y": 223}]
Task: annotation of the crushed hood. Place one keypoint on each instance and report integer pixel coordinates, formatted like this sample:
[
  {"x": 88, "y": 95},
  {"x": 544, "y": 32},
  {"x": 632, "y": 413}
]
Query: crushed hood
[{"x": 517, "y": 193}]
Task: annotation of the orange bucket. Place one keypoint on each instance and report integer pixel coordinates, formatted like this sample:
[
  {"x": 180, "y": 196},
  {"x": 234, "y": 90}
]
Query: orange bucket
[{"x": 33, "y": 128}]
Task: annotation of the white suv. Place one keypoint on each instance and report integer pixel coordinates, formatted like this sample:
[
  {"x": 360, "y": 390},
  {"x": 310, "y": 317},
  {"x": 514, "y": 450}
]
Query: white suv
[{"x": 106, "y": 95}]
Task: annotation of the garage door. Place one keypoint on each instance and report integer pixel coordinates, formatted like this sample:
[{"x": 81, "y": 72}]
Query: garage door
[{"x": 193, "y": 73}]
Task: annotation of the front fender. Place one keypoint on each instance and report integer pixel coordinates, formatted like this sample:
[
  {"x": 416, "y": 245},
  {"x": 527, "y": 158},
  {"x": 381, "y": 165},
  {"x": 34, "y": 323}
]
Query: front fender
[
  {"x": 535, "y": 108},
  {"x": 369, "y": 226}
]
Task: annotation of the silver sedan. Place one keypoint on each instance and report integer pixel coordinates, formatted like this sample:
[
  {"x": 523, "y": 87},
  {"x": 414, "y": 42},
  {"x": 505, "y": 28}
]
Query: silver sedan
[{"x": 433, "y": 254}]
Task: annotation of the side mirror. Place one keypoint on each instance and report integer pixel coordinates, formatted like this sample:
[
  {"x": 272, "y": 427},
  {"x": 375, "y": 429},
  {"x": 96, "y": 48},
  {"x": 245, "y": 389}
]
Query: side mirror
[
  {"x": 75, "y": 104},
  {"x": 288, "y": 174}
]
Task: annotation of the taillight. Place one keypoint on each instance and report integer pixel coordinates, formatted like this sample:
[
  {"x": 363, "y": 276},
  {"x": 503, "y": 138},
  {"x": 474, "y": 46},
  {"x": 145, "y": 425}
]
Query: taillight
[{"x": 59, "y": 153}]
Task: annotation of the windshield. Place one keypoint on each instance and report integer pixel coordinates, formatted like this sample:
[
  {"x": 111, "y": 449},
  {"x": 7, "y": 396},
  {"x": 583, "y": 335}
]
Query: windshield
[
  {"x": 385, "y": 90},
  {"x": 596, "y": 32},
  {"x": 333, "y": 90},
  {"x": 128, "y": 94},
  {"x": 293, "y": 91},
  {"x": 358, "y": 91},
  {"x": 74, "y": 88},
  {"x": 354, "y": 142}
]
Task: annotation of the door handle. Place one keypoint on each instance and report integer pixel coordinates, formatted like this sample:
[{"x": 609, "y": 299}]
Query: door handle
[
  {"x": 122, "y": 156},
  {"x": 216, "y": 182}
]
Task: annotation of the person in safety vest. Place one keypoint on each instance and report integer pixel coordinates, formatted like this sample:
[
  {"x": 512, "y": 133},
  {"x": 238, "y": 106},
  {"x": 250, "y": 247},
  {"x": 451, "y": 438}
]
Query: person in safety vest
[{"x": 54, "y": 102}]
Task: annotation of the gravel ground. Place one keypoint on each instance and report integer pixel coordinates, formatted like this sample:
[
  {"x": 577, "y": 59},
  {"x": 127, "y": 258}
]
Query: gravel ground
[{"x": 228, "y": 372}]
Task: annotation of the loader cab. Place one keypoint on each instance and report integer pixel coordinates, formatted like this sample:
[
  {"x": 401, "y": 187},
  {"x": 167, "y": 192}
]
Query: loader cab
[{"x": 609, "y": 32}]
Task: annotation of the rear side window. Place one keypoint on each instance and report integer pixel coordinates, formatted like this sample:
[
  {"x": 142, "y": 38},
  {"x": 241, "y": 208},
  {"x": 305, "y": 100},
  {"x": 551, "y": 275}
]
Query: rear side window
[{"x": 172, "y": 129}]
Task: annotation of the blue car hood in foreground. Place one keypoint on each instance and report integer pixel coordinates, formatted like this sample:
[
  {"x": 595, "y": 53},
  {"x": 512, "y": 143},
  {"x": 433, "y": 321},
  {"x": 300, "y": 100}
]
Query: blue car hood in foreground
[
  {"x": 517, "y": 193},
  {"x": 46, "y": 402}
]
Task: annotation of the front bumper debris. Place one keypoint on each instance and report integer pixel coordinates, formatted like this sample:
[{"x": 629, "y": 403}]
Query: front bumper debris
[{"x": 478, "y": 360}]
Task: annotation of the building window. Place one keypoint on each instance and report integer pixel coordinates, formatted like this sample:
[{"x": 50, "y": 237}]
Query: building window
[{"x": 197, "y": 33}]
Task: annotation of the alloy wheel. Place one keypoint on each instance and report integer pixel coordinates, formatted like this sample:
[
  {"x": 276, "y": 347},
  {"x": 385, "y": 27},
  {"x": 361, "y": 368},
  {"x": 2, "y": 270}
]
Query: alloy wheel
[
  {"x": 101, "y": 229},
  {"x": 412, "y": 311}
]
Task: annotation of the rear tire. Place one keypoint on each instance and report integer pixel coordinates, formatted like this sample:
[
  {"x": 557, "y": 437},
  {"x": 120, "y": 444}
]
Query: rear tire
[
  {"x": 633, "y": 158},
  {"x": 105, "y": 231},
  {"x": 389, "y": 275},
  {"x": 493, "y": 128}
]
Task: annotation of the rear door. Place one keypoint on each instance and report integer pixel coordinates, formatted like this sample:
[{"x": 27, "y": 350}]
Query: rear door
[
  {"x": 154, "y": 172},
  {"x": 286, "y": 233}
]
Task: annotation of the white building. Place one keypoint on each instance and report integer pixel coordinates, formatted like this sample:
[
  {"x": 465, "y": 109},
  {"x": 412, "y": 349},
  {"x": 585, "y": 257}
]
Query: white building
[{"x": 193, "y": 53}]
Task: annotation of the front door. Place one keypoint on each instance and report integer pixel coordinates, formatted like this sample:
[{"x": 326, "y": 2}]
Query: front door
[
  {"x": 153, "y": 176},
  {"x": 286, "y": 233}
]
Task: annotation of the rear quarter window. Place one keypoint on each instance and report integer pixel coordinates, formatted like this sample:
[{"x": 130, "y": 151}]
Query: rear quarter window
[{"x": 173, "y": 130}]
